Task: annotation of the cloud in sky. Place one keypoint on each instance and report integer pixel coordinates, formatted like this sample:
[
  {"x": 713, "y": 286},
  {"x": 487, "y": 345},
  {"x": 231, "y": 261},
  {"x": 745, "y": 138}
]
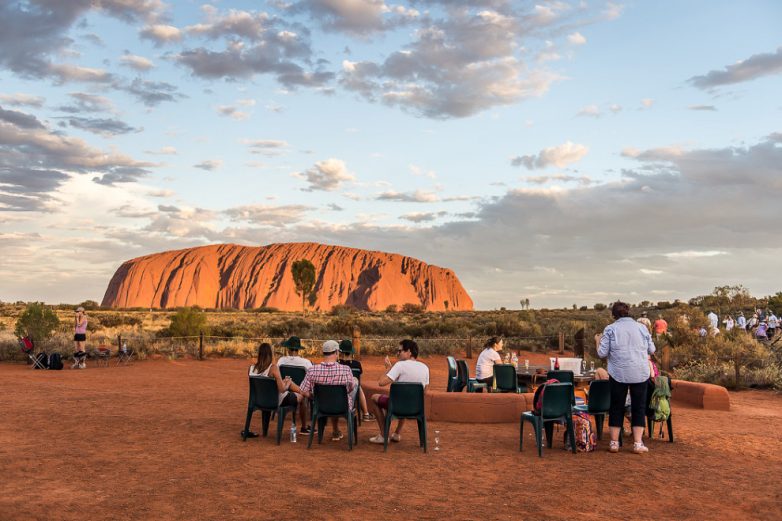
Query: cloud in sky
[
  {"x": 756, "y": 66},
  {"x": 209, "y": 165},
  {"x": 559, "y": 156},
  {"x": 327, "y": 175}
]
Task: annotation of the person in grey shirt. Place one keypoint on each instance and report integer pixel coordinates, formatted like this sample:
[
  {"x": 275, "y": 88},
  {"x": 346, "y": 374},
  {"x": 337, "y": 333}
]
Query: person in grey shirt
[{"x": 627, "y": 346}]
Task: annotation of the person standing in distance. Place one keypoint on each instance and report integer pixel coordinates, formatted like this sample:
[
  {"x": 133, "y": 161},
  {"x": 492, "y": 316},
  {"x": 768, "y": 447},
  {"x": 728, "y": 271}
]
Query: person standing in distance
[
  {"x": 79, "y": 338},
  {"x": 645, "y": 321},
  {"x": 627, "y": 346}
]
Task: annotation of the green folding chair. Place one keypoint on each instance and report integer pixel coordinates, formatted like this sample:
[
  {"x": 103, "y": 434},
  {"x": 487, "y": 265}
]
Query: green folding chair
[
  {"x": 331, "y": 401},
  {"x": 556, "y": 408},
  {"x": 406, "y": 401},
  {"x": 505, "y": 379},
  {"x": 264, "y": 397},
  {"x": 598, "y": 405},
  {"x": 564, "y": 377},
  {"x": 453, "y": 374}
]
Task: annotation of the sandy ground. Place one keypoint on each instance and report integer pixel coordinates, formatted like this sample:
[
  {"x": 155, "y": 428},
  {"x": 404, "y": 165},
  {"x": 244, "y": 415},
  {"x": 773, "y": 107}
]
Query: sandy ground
[{"x": 160, "y": 440}]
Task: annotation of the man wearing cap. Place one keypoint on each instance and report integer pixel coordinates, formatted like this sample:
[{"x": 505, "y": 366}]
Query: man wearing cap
[
  {"x": 293, "y": 344},
  {"x": 346, "y": 358},
  {"x": 407, "y": 369},
  {"x": 329, "y": 372},
  {"x": 645, "y": 321}
]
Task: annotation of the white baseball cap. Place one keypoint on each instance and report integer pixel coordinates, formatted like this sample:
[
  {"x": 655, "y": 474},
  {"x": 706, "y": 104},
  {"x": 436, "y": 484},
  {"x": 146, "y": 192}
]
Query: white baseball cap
[{"x": 330, "y": 346}]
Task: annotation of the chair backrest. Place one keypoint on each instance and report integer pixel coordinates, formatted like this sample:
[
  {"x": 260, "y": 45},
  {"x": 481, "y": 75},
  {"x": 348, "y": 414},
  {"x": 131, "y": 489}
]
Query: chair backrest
[
  {"x": 556, "y": 400},
  {"x": 296, "y": 372},
  {"x": 331, "y": 399},
  {"x": 263, "y": 392},
  {"x": 561, "y": 375},
  {"x": 462, "y": 376},
  {"x": 453, "y": 373},
  {"x": 406, "y": 399},
  {"x": 26, "y": 344},
  {"x": 599, "y": 396},
  {"x": 505, "y": 377},
  {"x": 356, "y": 372}
]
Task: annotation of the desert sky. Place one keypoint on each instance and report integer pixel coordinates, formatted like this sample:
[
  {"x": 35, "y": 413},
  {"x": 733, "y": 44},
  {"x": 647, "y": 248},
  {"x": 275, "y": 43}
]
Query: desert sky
[{"x": 565, "y": 152}]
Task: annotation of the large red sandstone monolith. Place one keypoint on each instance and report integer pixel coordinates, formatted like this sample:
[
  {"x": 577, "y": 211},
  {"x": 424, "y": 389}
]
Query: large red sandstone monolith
[{"x": 234, "y": 276}]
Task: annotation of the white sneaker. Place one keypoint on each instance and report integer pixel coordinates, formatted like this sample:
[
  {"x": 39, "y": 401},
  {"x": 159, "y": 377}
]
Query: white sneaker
[
  {"x": 379, "y": 439},
  {"x": 640, "y": 448}
]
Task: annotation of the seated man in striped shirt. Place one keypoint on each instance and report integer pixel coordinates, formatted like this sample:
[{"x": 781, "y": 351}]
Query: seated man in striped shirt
[{"x": 328, "y": 372}]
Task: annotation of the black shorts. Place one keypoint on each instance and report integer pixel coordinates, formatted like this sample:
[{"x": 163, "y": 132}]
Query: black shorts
[
  {"x": 290, "y": 400},
  {"x": 79, "y": 337}
]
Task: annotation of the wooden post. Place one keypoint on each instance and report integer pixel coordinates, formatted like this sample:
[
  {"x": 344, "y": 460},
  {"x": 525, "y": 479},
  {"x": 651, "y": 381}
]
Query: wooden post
[
  {"x": 469, "y": 347},
  {"x": 119, "y": 342},
  {"x": 561, "y": 342},
  {"x": 357, "y": 341},
  {"x": 201, "y": 345},
  {"x": 737, "y": 367},
  {"x": 666, "y": 361}
]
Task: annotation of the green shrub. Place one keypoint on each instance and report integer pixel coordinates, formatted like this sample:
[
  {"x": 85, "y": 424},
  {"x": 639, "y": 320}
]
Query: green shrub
[
  {"x": 188, "y": 322},
  {"x": 37, "y": 321}
]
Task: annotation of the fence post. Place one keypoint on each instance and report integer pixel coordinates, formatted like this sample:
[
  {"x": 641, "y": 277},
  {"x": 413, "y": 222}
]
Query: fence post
[
  {"x": 201, "y": 345},
  {"x": 119, "y": 342},
  {"x": 469, "y": 347},
  {"x": 737, "y": 366},
  {"x": 561, "y": 342},
  {"x": 666, "y": 357},
  {"x": 357, "y": 341}
]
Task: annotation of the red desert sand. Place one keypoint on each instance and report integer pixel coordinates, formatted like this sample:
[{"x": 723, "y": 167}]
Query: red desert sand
[{"x": 160, "y": 440}]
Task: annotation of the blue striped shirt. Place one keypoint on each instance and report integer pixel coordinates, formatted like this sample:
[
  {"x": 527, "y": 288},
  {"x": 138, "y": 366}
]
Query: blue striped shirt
[{"x": 627, "y": 345}]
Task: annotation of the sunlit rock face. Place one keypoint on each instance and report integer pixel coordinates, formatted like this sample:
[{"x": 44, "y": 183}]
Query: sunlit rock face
[{"x": 233, "y": 276}]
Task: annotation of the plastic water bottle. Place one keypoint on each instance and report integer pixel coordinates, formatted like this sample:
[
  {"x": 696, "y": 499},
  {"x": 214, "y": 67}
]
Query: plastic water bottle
[
  {"x": 293, "y": 433},
  {"x": 514, "y": 360},
  {"x": 592, "y": 365}
]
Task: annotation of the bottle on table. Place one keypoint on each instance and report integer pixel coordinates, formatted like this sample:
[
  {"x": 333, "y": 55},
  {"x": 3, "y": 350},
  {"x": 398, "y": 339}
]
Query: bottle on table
[
  {"x": 514, "y": 360},
  {"x": 556, "y": 364},
  {"x": 293, "y": 433}
]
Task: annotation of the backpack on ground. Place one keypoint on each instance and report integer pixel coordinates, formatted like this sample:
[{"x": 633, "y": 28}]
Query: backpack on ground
[
  {"x": 586, "y": 439},
  {"x": 55, "y": 361},
  {"x": 661, "y": 399},
  {"x": 41, "y": 361},
  {"x": 537, "y": 398}
]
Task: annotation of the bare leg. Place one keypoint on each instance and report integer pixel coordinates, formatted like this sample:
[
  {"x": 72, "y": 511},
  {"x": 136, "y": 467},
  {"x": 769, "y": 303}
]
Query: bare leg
[
  {"x": 399, "y": 424},
  {"x": 362, "y": 401},
  {"x": 380, "y": 415},
  {"x": 335, "y": 425},
  {"x": 615, "y": 433},
  {"x": 638, "y": 433}
]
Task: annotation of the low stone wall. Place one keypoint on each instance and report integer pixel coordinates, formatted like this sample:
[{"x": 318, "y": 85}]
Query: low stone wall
[
  {"x": 705, "y": 396},
  {"x": 507, "y": 407}
]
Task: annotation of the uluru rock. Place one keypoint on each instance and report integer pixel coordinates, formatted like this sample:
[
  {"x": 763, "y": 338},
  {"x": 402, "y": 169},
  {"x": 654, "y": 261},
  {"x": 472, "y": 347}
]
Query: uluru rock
[{"x": 234, "y": 276}]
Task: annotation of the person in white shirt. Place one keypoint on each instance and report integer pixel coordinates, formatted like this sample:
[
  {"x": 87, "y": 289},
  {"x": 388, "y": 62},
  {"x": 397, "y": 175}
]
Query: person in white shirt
[
  {"x": 484, "y": 367},
  {"x": 407, "y": 369},
  {"x": 728, "y": 323},
  {"x": 741, "y": 321},
  {"x": 773, "y": 324},
  {"x": 293, "y": 344},
  {"x": 714, "y": 320}
]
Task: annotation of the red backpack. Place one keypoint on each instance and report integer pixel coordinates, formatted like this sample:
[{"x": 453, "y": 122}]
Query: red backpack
[{"x": 537, "y": 399}]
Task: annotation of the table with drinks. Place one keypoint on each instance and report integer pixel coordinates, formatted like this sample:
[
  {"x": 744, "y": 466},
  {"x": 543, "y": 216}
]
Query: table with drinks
[{"x": 533, "y": 375}]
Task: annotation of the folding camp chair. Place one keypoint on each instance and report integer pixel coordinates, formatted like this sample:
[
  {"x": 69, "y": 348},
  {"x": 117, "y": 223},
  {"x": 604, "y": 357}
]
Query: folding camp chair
[
  {"x": 27, "y": 346},
  {"x": 125, "y": 355},
  {"x": 103, "y": 354}
]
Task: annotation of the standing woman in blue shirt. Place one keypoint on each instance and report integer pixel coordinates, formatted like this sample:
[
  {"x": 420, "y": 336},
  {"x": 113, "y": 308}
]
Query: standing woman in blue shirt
[{"x": 627, "y": 346}]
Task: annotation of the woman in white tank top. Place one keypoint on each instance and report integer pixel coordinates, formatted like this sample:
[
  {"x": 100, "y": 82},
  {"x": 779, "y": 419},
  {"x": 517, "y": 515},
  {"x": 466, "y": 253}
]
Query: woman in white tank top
[{"x": 266, "y": 361}]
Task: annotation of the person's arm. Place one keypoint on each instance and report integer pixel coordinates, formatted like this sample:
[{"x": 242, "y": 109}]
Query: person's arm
[
  {"x": 605, "y": 343},
  {"x": 304, "y": 388},
  {"x": 390, "y": 376},
  {"x": 275, "y": 372},
  {"x": 650, "y": 348}
]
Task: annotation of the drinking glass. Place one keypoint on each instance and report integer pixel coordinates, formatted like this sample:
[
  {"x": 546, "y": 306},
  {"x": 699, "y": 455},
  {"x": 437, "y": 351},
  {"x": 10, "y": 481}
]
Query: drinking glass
[
  {"x": 592, "y": 366},
  {"x": 526, "y": 365},
  {"x": 437, "y": 440}
]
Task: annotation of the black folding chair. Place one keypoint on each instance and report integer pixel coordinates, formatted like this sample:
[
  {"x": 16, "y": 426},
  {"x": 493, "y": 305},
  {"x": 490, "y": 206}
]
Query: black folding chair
[{"x": 102, "y": 355}]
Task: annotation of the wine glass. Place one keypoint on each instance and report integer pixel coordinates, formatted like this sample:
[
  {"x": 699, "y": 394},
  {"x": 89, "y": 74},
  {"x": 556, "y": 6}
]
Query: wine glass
[
  {"x": 526, "y": 365},
  {"x": 437, "y": 440}
]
